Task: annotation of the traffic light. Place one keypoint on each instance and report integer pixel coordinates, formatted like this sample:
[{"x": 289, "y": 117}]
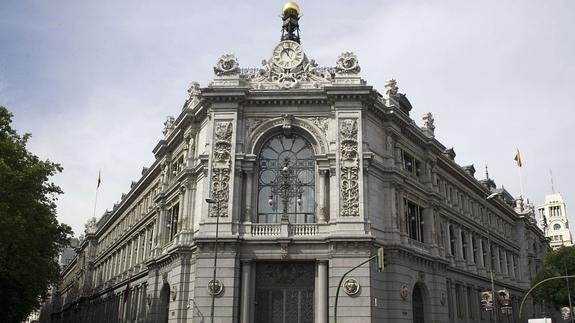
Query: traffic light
[{"x": 380, "y": 259}]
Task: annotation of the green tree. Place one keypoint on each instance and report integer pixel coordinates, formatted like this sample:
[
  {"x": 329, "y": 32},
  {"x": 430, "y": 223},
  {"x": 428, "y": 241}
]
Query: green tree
[
  {"x": 560, "y": 262},
  {"x": 30, "y": 235}
]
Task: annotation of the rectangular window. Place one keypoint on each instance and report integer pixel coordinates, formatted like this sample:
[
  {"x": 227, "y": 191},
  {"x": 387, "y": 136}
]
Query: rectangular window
[
  {"x": 470, "y": 302},
  {"x": 173, "y": 220},
  {"x": 151, "y": 240},
  {"x": 449, "y": 300},
  {"x": 414, "y": 220},
  {"x": 411, "y": 164},
  {"x": 459, "y": 300}
]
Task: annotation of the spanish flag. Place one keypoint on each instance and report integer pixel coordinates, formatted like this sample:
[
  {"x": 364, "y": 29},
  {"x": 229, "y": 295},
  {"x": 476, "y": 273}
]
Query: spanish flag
[
  {"x": 517, "y": 158},
  {"x": 99, "y": 179}
]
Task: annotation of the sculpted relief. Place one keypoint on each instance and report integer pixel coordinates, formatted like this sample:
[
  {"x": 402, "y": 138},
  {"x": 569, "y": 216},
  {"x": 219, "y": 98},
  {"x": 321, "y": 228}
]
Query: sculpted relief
[
  {"x": 221, "y": 167},
  {"x": 349, "y": 167}
]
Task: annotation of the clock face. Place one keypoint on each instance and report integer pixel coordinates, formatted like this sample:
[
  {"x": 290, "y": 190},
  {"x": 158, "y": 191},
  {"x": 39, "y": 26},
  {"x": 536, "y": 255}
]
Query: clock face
[{"x": 288, "y": 54}]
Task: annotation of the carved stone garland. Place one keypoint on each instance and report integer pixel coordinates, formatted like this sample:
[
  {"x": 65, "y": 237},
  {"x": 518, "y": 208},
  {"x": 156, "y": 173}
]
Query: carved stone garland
[
  {"x": 221, "y": 167},
  {"x": 349, "y": 166},
  {"x": 272, "y": 76}
]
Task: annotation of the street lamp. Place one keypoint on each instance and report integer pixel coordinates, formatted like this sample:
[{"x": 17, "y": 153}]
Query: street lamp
[
  {"x": 492, "y": 195},
  {"x": 216, "y": 202}
]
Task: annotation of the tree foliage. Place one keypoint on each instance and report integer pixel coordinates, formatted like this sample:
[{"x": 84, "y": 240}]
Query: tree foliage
[
  {"x": 560, "y": 262},
  {"x": 30, "y": 235}
]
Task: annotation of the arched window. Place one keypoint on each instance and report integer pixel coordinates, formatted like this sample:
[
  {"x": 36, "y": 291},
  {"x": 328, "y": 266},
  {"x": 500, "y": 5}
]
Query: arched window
[
  {"x": 286, "y": 180},
  {"x": 556, "y": 226}
]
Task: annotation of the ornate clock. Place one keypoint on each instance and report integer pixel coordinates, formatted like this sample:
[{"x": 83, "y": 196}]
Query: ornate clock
[{"x": 288, "y": 54}]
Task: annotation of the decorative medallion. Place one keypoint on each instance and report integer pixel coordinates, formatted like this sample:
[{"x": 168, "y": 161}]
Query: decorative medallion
[
  {"x": 215, "y": 287},
  {"x": 149, "y": 300},
  {"x": 221, "y": 168},
  {"x": 347, "y": 64},
  {"x": 404, "y": 292},
  {"x": 351, "y": 287},
  {"x": 227, "y": 65},
  {"x": 173, "y": 293},
  {"x": 442, "y": 298},
  {"x": 349, "y": 167}
]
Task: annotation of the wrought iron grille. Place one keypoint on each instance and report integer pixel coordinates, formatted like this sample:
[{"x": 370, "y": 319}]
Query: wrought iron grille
[{"x": 286, "y": 180}]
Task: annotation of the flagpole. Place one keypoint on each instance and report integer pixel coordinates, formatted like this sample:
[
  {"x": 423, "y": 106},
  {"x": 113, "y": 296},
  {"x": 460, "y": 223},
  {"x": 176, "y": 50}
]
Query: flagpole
[
  {"x": 519, "y": 164},
  {"x": 97, "y": 188},
  {"x": 520, "y": 180},
  {"x": 95, "y": 201}
]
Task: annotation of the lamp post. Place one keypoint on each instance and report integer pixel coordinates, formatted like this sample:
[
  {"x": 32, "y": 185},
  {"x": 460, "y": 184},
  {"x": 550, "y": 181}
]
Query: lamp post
[
  {"x": 492, "y": 195},
  {"x": 536, "y": 285},
  {"x": 215, "y": 201},
  {"x": 491, "y": 276}
]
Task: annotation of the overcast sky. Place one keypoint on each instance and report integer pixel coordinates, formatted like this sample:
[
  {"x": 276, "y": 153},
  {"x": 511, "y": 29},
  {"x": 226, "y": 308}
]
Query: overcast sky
[{"x": 94, "y": 80}]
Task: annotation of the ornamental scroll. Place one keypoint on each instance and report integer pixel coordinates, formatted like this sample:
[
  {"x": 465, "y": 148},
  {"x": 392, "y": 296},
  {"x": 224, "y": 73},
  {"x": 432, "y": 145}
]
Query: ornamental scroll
[
  {"x": 349, "y": 167},
  {"x": 221, "y": 168}
]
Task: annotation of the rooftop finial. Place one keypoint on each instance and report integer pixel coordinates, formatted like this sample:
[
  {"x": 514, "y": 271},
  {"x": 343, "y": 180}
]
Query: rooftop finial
[
  {"x": 552, "y": 183},
  {"x": 290, "y": 25},
  {"x": 486, "y": 173}
]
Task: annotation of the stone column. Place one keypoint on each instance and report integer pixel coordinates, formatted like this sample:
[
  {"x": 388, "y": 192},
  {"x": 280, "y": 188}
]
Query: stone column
[
  {"x": 249, "y": 197},
  {"x": 133, "y": 251},
  {"x": 497, "y": 260},
  {"x": 184, "y": 206},
  {"x": 471, "y": 249},
  {"x": 458, "y": 245},
  {"x": 321, "y": 197},
  {"x": 322, "y": 297},
  {"x": 512, "y": 266},
  {"x": 480, "y": 261},
  {"x": 427, "y": 218},
  {"x": 146, "y": 242},
  {"x": 157, "y": 236},
  {"x": 246, "y": 299},
  {"x": 505, "y": 264},
  {"x": 138, "y": 249},
  {"x": 449, "y": 238},
  {"x": 181, "y": 216},
  {"x": 401, "y": 214},
  {"x": 161, "y": 231}
]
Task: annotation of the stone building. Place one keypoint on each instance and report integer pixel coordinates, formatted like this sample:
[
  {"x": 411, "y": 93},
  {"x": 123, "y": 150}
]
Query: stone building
[
  {"x": 309, "y": 171},
  {"x": 553, "y": 221}
]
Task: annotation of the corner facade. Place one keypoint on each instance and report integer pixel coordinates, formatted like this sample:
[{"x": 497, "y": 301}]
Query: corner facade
[{"x": 312, "y": 170}]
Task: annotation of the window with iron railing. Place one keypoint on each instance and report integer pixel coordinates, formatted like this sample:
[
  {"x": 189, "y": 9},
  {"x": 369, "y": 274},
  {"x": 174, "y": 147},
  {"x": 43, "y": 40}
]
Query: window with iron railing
[
  {"x": 286, "y": 180},
  {"x": 414, "y": 220}
]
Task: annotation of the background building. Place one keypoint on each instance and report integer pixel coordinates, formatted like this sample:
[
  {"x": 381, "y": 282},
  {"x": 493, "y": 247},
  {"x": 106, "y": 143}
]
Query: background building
[
  {"x": 553, "y": 221},
  {"x": 310, "y": 170}
]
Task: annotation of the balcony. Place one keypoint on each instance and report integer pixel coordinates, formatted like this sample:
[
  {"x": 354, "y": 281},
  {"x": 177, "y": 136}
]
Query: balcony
[{"x": 265, "y": 230}]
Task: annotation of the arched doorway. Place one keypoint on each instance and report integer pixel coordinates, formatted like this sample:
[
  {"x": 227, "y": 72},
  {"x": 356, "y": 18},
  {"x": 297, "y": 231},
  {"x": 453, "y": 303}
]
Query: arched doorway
[
  {"x": 164, "y": 308},
  {"x": 419, "y": 301}
]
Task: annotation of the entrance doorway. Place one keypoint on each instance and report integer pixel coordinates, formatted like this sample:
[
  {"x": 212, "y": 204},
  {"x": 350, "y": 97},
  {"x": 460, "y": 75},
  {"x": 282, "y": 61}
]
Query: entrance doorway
[
  {"x": 284, "y": 292},
  {"x": 418, "y": 303},
  {"x": 164, "y": 308}
]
